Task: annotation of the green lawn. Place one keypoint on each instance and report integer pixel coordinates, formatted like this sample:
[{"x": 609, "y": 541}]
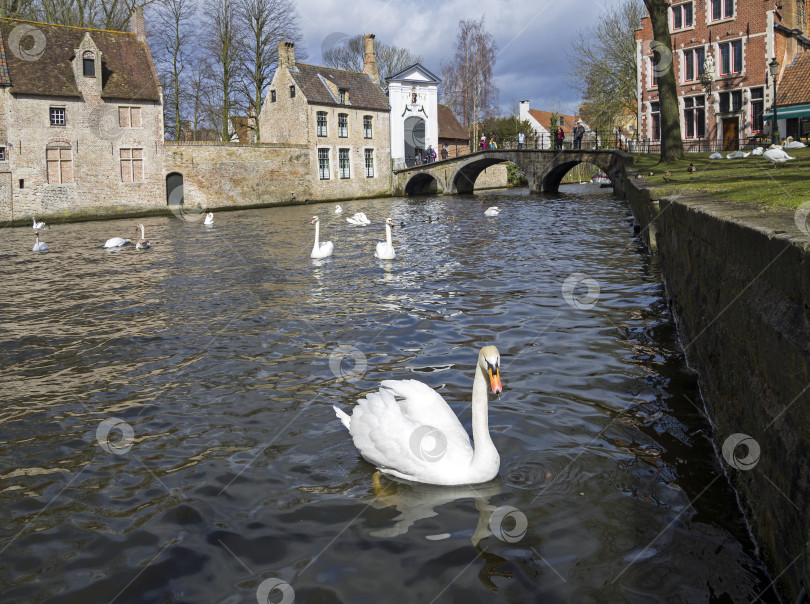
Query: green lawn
[{"x": 749, "y": 179}]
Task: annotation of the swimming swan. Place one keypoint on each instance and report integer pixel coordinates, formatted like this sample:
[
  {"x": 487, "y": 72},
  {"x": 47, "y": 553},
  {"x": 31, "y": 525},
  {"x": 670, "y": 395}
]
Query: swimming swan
[
  {"x": 338, "y": 209},
  {"x": 39, "y": 246},
  {"x": 408, "y": 430},
  {"x": 385, "y": 249},
  {"x": 143, "y": 242},
  {"x": 37, "y": 225},
  {"x": 493, "y": 211},
  {"x": 116, "y": 242},
  {"x": 209, "y": 219},
  {"x": 320, "y": 250},
  {"x": 359, "y": 219}
]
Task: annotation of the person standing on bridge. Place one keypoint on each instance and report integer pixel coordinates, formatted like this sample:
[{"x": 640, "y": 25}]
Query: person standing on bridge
[
  {"x": 445, "y": 151},
  {"x": 579, "y": 132},
  {"x": 521, "y": 140},
  {"x": 483, "y": 142},
  {"x": 493, "y": 144},
  {"x": 560, "y": 137}
]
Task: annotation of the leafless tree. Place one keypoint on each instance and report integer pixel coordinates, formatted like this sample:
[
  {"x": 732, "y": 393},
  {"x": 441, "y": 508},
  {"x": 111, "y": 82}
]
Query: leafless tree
[
  {"x": 671, "y": 142},
  {"x": 103, "y": 14},
  {"x": 171, "y": 41},
  {"x": 604, "y": 62},
  {"x": 390, "y": 59},
  {"x": 262, "y": 25},
  {"x": 223, "y": 51},
  {"x": 468, "y": 79}
]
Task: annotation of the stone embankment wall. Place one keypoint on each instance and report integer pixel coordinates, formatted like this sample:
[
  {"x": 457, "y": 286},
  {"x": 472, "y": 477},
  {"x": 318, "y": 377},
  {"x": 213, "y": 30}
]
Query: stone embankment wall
[
  {"x": 228, "y": 176},
  {"x": 738, "y": 278}
]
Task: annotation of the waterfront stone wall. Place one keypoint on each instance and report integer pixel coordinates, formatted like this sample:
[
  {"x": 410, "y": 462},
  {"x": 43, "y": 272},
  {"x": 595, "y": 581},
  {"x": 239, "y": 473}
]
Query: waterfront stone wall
[
  {"x": 243, "y": 175},
  {"x": 738, "y": 280}
]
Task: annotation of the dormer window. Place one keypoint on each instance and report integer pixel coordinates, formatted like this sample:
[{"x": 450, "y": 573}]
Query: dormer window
[
  {"x": 89, "y": 65},
  {"x": 342, "y": 95}
]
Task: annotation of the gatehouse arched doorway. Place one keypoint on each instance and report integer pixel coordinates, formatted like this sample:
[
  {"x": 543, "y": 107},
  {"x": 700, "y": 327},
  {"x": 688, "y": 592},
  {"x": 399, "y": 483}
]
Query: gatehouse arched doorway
[
  {"x": 414, "y": 139},
  {"x": 174, "y": 189}
]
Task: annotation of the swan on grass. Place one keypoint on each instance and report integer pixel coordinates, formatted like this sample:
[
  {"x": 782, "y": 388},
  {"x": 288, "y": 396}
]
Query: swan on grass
[
  {"x": 385, "y": 249},
  {"x": 408, "y": 431},
  {"x": 143, "y": 242},
  {"x": 320, "y": 250},
  {"x": 492, "y": 211},
  {"x": 209, "y": 219},
  {"x": 758, "y": 151},
  {"x": 37, "y": 225},
  {"x": 737, "y": 155},
  {"x": 39, "y": 246},
  {"x": 776, "y": 156}
]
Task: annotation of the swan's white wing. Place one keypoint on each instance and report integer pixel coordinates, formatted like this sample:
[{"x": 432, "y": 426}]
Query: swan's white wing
[
  {"x": 424, "y": 405},
  {"x": 116, "y": 242},
  {"x": 327, "y": 248}
]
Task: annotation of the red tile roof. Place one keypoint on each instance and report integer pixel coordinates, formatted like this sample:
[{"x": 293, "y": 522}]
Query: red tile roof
[
  {"x": 363, "y": 93},
  {"x": 126, "y": 71},
  {"x": 449, "y": 127},
  {"x": 794, "y": 88},
  {"x": 544, "y": 117}
]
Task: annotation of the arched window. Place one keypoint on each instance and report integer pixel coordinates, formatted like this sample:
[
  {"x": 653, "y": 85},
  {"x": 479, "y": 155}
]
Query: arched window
[{"x": 89, "y": 64}]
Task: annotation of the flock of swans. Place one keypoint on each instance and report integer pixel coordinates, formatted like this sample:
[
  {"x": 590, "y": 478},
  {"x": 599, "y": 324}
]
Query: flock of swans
[
  {"x": 775, "y": 154},
  {"x": 113, "y": 242},
  {"x": 406, "y": 429}
]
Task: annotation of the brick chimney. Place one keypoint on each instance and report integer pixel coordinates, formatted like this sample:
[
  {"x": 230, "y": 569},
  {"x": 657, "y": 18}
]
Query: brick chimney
[
  {"x": 370, "y": 59},
  {"x": 286, "y": 55},
  {"x": 137, "y": 24}
]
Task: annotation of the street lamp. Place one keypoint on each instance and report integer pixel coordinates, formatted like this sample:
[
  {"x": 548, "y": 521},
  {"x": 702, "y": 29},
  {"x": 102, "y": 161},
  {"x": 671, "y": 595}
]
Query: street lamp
[{"x": 773, "y": 67}]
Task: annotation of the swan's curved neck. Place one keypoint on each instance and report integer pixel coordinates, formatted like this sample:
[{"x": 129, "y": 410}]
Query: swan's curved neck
[
  {"x": 388, "y": 234},
  {"x": 317, "y": 234},
  {"x": 143, "y": 236},
  {"x": 482, "y": 442}
]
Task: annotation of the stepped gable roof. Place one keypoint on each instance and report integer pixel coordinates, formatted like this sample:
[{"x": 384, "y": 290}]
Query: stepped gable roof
[
  {"x": 449, "y": 126},
  {"x": 126, "y": 71},
  {"x": 363, "y": 92},
  {"x": 795, "y": 85}
]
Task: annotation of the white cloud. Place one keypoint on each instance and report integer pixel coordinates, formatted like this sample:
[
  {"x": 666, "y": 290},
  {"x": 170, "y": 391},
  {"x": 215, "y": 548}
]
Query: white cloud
[{"x": 533, "y": 37}]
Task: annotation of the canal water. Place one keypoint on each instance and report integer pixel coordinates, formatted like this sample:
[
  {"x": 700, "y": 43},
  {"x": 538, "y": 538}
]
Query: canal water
[{"x": 168, "y": 435}]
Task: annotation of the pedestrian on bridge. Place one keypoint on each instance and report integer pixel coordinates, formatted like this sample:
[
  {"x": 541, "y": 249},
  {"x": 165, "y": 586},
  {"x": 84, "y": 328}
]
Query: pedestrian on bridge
[
  {"x": 483, "y": 142},
  {"x": 521, "y": 140}
]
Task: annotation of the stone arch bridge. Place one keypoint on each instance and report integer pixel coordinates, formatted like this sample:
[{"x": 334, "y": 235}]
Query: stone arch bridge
[{"x": 544, "y": 170}]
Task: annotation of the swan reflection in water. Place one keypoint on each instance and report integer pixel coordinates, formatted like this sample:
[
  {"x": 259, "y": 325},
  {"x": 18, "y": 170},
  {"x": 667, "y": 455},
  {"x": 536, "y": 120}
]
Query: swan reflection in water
[{"x": 415, "y": 502}]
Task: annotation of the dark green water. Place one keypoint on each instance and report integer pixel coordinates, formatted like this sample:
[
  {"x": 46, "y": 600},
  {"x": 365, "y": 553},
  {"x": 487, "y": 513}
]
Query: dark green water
[{"x": 219, "y": 352}]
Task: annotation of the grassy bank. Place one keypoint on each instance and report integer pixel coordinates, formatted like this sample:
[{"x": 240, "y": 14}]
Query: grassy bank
[{"x": 749, "y": 179}]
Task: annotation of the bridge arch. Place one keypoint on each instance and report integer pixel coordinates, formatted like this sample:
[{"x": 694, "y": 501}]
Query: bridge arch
[
  {"x": 544, "y": 169},
  {"x": 423, "y": 183}
]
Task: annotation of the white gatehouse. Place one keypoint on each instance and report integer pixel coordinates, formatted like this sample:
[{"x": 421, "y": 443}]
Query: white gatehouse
[{"x": 413, "y": 95}]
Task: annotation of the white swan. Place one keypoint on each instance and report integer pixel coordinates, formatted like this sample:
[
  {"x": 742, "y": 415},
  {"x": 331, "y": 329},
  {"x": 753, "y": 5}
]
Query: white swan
[
  {"x": 408, "y": 430},
  {"x": 39, "y": 246},
  {"x": 338, "y": 209},
  {"x": 116, "y": 242},
  {"x": 209, "y": 219},
  {"x": 385, "y": 249},
  {"x": 143, "y": 242},
  {"x": 716, "y": 156},
  {"x": 359, "y": 219},
  {"x": 737, "y": 155},
  {"x": 758, "y": 151},
  {"x": 320, "y": 250},
  {"x": 493, "y": 211},
  {"x": 37, "y": 225},
  {"x": 795, "y": 145},
  {"x": 776, "y": 156}
]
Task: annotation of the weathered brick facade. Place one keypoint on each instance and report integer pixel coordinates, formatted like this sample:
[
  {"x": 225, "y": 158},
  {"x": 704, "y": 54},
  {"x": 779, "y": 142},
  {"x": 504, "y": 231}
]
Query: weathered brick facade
[
  {"x": 81, "y": 122},
  {"x": 747, "y": 35},
  {"x": 342, "y": 117}
]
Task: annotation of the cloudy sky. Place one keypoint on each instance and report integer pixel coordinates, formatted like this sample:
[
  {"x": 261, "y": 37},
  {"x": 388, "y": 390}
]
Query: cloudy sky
[{"x": 533, "y": 37}]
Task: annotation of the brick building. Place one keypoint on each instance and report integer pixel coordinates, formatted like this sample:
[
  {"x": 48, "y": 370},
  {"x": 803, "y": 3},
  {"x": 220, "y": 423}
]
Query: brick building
[
  {"x": 341, "y": 116},
  {"x": 720, "y": 52},
  {"x": 81, "y": 119}
]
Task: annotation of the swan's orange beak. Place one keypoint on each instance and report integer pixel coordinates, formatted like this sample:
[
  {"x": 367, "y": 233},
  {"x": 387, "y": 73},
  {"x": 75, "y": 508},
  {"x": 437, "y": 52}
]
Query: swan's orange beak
[{"x": 495, "y": 381}]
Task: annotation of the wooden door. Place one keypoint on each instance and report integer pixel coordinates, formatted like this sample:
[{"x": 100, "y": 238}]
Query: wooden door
[{"x": 731, "y": 134}]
